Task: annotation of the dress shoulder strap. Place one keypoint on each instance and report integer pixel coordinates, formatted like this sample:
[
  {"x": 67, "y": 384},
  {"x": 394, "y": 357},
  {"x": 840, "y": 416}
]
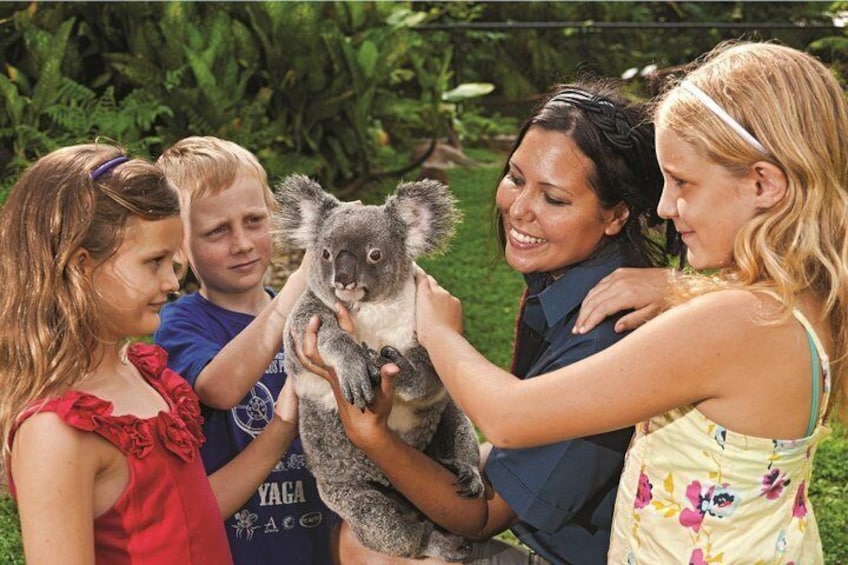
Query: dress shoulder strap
[{"x": 820, "y": 372}]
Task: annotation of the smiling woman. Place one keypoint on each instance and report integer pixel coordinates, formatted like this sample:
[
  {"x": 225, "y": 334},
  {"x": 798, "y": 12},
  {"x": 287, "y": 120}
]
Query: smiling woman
[{"x": 551, "y": 215}]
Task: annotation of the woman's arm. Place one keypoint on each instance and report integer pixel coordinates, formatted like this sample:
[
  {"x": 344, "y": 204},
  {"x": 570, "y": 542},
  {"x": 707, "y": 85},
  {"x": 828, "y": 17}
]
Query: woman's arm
[
  {"x": 694, "y": 352},
  {"x": 424, "y": 482},
  {"x": 53, "y": 468}
]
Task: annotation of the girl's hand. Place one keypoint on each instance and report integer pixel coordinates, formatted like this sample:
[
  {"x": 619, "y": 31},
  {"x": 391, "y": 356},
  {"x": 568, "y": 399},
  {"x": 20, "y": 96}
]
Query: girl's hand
[
  {"x": 642, "y": 290},
  {"x": 436, "y": 310},
  {"x": 365, "y": 428}
]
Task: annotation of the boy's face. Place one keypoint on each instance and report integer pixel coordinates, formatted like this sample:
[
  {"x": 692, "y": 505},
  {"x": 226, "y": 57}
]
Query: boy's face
[{"x": 228, "y": 239}]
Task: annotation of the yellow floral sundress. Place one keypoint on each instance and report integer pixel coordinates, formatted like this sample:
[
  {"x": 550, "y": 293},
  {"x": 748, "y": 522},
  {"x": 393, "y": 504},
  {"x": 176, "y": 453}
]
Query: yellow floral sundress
[{"x": 695, "y": 492}]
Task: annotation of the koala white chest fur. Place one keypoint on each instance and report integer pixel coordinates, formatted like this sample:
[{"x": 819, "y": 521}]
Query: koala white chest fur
[
  {"x": 363, "y": 256},
  {"x": 377, "y": 324}
]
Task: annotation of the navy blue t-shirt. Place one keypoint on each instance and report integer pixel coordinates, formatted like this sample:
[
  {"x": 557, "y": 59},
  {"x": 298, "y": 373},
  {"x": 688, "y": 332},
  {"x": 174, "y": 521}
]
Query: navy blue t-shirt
[
  {"x": 285, "y": 521},
  {"x": 563, "y": 493}
]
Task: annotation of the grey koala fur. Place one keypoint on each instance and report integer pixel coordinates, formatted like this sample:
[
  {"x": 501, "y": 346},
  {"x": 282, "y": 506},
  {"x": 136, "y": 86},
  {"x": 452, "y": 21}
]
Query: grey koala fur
[{"x": 364, "y": 257}]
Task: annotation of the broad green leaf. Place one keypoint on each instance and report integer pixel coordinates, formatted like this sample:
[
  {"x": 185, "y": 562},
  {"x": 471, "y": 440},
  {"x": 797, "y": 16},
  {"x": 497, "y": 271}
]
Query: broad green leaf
[
  {"x": 367, "y": 57},
  {"x": 468, "y": 90},
  {"x": 51, "y": 70}
]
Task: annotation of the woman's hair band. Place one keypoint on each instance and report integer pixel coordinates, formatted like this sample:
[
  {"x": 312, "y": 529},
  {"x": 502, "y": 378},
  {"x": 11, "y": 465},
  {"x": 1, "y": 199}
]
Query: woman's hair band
[
  {"x": 108, "y": 166},
  {"x": 722, "y": 114}
]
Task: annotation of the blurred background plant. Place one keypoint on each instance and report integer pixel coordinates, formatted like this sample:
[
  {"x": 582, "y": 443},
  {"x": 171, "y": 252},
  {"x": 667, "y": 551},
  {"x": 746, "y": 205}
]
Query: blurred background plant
[{"x": 343, "y": 91}]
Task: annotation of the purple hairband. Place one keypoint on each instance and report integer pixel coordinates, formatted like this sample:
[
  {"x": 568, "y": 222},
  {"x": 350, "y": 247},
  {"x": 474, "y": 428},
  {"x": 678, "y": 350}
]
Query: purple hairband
[{"x": 108, "y": 166}]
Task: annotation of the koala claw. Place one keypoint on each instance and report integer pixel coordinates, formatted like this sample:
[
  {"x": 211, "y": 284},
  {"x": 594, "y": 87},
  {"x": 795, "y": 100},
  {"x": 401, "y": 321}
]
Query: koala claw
[
  {"x": 356, "y": 385},
  {"x": 373, "y": 364},
  {"x": 353, "y": 395},
  {"x": 469, "y": 483},
  {"x": 392, "y": 355}
]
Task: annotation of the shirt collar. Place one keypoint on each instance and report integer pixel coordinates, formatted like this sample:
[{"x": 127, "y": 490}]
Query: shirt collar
[{"x": 559, "y": 297}]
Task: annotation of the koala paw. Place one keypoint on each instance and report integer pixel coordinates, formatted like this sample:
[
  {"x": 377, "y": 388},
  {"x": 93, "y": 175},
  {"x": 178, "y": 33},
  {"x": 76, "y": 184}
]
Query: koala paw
[
  {"x": 356, "y": 381},
  {"x": 469, "y": 482},
  {"x": 392, "y": 355},
  {"x": 448, "y": 547},
  {"x": 373, "y": 365}
]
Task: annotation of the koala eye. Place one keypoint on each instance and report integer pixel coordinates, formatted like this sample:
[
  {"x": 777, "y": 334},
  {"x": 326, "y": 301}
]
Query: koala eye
[
  {"x": 375, "y": 256},
  {"x": 325, "y": 255}
]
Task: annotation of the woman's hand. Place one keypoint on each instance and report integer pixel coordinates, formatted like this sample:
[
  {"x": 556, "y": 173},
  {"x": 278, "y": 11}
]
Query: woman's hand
[
  {"x": 642, "y": 290},
  {"x": 436, "y": 310},
  {"x": 365, "y": 428}
]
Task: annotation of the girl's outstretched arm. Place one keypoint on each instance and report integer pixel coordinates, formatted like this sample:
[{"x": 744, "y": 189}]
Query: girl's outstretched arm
[
  {"x": 694, "y": 352},
  {"x": 53, "y": 468}
]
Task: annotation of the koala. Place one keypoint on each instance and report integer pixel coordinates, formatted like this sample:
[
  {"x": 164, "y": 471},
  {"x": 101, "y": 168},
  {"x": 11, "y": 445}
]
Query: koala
[{"x": 363, "y": 256}]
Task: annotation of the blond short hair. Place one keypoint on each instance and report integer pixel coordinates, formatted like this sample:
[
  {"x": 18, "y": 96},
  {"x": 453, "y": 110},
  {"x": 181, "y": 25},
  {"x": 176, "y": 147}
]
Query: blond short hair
[{"x": 205, "y": 165}]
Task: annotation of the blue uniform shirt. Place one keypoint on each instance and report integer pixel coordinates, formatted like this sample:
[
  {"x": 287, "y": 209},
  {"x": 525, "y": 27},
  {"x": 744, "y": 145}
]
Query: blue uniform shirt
[
  {"x": 563, "y": 493},
  {"x": 284, "y": 521}
]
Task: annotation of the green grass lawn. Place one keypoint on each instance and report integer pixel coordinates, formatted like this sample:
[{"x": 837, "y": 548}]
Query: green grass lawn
[{"x": 489, "y": 290}]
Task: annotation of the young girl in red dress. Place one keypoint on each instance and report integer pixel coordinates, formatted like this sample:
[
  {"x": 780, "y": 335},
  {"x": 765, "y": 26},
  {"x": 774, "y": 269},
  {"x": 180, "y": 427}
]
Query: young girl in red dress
[{"x": 100, "y": 438}]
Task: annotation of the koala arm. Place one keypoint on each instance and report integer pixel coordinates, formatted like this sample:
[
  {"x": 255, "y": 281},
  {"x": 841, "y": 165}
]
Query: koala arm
[
  {"x": 422, "y": 480},
  {"x": 230, "y": 375}
]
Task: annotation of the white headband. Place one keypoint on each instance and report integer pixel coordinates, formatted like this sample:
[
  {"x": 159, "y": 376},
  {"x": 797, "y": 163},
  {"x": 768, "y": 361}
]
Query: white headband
[{"x": 713, "y": 106}]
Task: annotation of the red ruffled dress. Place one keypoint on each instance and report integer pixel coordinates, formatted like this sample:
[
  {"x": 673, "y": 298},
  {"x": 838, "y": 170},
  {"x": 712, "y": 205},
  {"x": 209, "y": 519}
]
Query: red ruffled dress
[{"x": 168, "y": 513}]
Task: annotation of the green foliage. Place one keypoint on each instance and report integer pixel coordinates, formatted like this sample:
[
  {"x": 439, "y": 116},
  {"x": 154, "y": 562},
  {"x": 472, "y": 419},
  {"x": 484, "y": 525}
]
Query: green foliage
[
  {"x": 524, "y": 62},
  {"x": 341, "y": 88},
  {"x": 474, "y": 271},
  {"x": 45, "y": 109},
  {"x": 11, "y": 550},
  {"x": 324, "y": 85},
  {"x": 829, "y": 495}
]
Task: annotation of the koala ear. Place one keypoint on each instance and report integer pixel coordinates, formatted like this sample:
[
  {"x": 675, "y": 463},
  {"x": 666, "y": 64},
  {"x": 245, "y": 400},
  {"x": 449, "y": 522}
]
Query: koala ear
[
  {"x": 428, "y": 210},
  {"x": 303, "y": 207}
]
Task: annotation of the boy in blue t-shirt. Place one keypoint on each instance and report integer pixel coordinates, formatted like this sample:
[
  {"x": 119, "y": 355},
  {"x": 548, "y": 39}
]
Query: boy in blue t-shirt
[{"x": 226, "y": 341}]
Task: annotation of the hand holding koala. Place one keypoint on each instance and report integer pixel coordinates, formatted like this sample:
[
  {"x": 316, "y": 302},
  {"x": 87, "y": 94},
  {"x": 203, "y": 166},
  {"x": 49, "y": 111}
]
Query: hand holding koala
[{"x": 363, "y": 256}]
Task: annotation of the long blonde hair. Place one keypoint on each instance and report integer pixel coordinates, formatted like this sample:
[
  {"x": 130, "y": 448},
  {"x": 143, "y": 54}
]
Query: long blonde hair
[
  {"x": 51, "y": 335},
  {"x": 794, "y": 106}
]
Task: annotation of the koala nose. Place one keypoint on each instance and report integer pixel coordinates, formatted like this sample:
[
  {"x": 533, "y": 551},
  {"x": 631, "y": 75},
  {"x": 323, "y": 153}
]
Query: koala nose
[{"x": 345, "y": 270}]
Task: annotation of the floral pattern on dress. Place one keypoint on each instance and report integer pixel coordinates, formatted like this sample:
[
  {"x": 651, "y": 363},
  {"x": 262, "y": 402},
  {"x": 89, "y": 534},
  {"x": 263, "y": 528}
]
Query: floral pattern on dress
[
  {"x": 643, "y": 494},
  {"x": 716, "y": 500},
  {"x": 773, "y": 484},
  {"x": 693, "y": 491},
  {"x": 716, "y": 489},
  {"x": 799, "y": 508}
]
